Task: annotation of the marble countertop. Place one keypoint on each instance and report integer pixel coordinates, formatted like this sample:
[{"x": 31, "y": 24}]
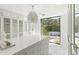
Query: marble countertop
[{"x": 21, "y": 44}]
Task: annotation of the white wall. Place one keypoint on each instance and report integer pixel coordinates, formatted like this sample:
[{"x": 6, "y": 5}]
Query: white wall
[
  {"x": 64, "y": 32},
  {"x": 63, "y": 48}
]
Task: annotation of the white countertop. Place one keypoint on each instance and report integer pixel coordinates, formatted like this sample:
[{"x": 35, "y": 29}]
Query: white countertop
[{"x": 21, "y": 44}]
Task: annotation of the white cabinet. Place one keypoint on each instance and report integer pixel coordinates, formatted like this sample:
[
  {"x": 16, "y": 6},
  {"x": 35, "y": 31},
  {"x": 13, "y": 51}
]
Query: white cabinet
[
  {"x": 20, "y": 29},
  {"x": 11, "y": 24},
  {"x": 7, "y": 27},
  {"x": 20, "y": 26},
  {"x": 25, "y": 23}
]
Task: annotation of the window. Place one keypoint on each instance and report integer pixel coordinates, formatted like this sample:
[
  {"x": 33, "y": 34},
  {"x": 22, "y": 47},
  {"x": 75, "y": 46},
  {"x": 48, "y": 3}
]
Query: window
[{"x": 50, "y": 27}]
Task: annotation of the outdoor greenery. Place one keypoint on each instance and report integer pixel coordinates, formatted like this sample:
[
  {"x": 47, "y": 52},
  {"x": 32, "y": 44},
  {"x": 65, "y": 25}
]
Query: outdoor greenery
[{"x": 50, "y": 25}]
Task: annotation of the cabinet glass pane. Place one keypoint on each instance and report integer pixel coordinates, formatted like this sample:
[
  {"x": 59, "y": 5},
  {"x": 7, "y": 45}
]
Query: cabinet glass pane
[
  {"x": 29, "y": 26},
  {"x": 20, "y": 26},
  {"x": 14, "y": 28},
  {"x": 25, "y": 26},
  {"x": 14, "y": 35},
  {"x": 0, "y": 28},
  {"x": 8, "y": 36},
  {"x": 20, "y": 35},
  {"x": 0, "y": 25},
  {"x": 7, "y": 27}
]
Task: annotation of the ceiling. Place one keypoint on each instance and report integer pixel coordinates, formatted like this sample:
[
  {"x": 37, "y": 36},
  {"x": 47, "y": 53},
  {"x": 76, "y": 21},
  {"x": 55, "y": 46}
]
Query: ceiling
[{"x": 46, "y": 9}]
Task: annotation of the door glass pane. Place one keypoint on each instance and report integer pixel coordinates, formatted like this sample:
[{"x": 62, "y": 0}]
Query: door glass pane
[
  {"x": 7, "y": 27},
  {"x": 77, "y": 25}
]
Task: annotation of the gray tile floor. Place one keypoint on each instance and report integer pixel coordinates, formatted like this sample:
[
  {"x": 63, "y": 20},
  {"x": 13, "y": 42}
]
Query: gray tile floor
[{"x": 55, "y": 49}]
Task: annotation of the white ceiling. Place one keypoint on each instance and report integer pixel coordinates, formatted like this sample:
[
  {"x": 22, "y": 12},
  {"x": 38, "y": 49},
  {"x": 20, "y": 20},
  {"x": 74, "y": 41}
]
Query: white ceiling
[{"x": 48, "y": 9}]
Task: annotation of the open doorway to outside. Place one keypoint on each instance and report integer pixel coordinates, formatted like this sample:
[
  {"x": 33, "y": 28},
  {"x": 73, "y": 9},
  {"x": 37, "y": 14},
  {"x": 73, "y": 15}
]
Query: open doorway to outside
[{"x": 50, "y": 28}]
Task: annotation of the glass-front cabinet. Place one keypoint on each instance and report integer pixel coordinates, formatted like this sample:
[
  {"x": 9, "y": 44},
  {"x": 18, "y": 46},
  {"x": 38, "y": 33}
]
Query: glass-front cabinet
[
  {"x": 25, "y": 26},
  {"x": 20, "y": 28},
  {"x": 14, "y": 26},
  {"x": 11, "y": 27},
  {"x": 7, "y": 27},
  {"x": 14, "y": 29}
]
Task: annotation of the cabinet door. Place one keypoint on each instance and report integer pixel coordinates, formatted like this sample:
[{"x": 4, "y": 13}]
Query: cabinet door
[
  {"x": 21, "y": 29},
  {"x": 14, "y": 30},
  {"x": 20, "y": 26},
  {"x": 7, "y": 27},
  {"x": 0, "y": 28},
  {"x": 14, "y": 26},
  {"x": 76, "y": 30},
  {"x": 25, "y": 26}
]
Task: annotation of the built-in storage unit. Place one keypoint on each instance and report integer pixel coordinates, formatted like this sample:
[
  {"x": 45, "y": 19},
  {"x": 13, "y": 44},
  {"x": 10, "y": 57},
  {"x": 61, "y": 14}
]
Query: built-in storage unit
[
  {"x": 7, "y": 29},
  {"x": 14, "y": 29},
  {"x": 11, "y": 25}
]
